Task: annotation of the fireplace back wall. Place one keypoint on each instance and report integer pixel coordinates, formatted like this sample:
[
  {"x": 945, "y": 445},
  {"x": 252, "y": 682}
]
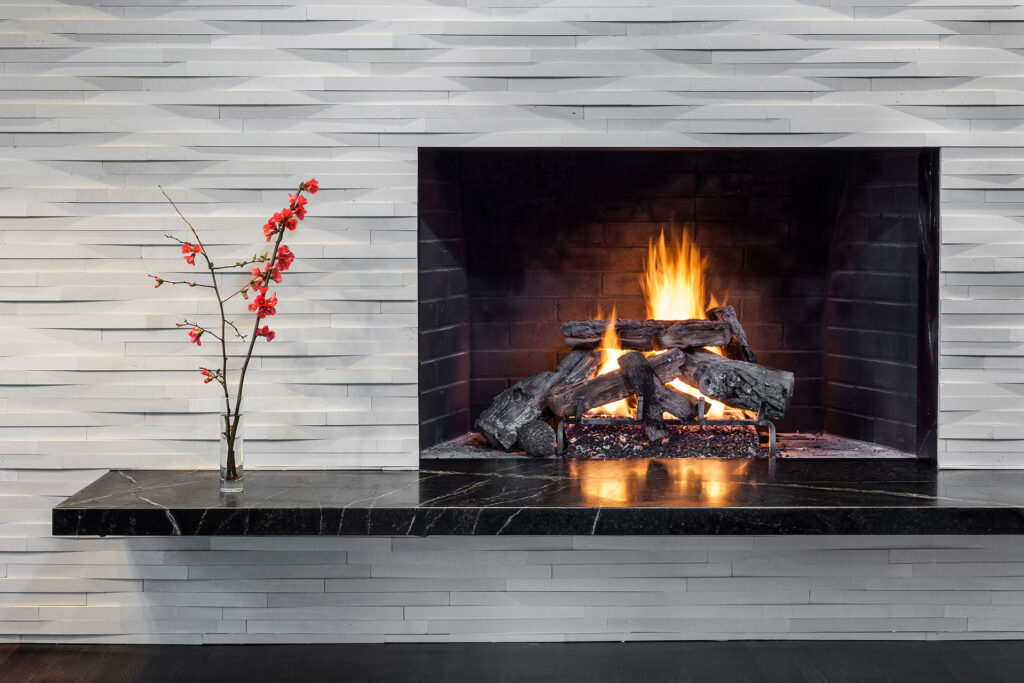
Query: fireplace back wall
[{"x": 816, "y": 249}]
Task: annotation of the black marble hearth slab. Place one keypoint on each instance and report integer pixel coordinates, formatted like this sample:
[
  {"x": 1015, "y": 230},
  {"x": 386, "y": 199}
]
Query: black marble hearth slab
[{"x": 492, "y": 497}]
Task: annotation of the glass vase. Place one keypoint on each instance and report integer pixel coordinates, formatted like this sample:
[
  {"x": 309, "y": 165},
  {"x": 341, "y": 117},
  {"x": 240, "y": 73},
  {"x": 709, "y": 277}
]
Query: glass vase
[{"x": 231, "y": 460}]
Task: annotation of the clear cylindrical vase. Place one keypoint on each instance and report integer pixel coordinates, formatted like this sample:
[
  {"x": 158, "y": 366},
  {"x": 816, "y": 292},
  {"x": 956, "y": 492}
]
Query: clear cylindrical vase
[{"x": 231, "y": 461}]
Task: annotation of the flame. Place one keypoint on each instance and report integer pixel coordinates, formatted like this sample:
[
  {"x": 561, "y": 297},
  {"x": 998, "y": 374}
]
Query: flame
[
  {"x": 673, "y": 281},
  {"x": 610, "y": 352},
  {"x": 674, "y": 288}
]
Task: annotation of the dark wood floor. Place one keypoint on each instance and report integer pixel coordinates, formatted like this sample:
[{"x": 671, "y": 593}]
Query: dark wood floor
[{"x": 739, "y": 662}]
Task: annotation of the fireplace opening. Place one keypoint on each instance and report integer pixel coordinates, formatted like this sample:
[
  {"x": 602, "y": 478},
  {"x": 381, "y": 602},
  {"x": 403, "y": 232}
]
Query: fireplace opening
[{"x": 825, "y": 258}]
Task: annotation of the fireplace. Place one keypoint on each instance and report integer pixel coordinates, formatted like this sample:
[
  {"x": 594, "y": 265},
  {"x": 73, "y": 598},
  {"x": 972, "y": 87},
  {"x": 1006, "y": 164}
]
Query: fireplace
[{"x": 827, "y": 256}]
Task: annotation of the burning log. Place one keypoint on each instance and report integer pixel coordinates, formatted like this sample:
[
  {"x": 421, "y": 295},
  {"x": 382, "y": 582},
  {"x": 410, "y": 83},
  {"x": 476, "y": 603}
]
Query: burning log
[
  {"x": 537, "y": 438},
  {"x": 739, "y": 384},
  {"x": 658, "y": 398},
  {"x": 610, "y": 387},
  {"x": 648, "y": 335},
  {"x": 738, "y": 347},
  {"x": 524, "y": 401}
]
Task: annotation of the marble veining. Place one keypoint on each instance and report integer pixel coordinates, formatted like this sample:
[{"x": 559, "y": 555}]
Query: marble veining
[{"x": 501, "y": 497}]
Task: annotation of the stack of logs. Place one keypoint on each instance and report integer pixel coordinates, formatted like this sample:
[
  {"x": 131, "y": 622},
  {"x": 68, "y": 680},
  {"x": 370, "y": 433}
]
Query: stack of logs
[{"x": 519, "y": 415}]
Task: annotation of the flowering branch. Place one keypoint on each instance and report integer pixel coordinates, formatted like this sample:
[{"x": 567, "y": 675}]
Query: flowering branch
[
  {"x": 281, "y": 221},
  {"x": 197, "y": 331},
  {"x": 278, "y": 260}
]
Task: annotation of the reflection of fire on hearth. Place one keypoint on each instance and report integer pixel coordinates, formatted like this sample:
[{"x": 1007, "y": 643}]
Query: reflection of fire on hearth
[{"x": 611, "y": 483}]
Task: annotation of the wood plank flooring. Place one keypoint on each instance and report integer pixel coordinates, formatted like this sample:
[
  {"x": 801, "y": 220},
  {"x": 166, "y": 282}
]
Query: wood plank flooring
[{"x": 736, "y": 661}]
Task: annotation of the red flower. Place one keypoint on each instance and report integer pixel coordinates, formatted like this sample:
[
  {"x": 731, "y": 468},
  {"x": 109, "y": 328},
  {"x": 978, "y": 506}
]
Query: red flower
[
  {"x": 206, "y": 373},
  {"x": 291, "y": 223},
  {"x": 159, "y": 281},
  {"x": 261, "y": 275},
  {"x": 269, "y": 230},
  {"x": 263, "y": 305},
  {"x": 196, "y": 333},
  {"x": 190, "y": 251},
  {"x": 300, "y": 212},
  {"x": 297, "y": 200},
  {"x": 285, "y": 257},
  {"x": 311, "y": 186},
  {"x": 265, "y": 331}
]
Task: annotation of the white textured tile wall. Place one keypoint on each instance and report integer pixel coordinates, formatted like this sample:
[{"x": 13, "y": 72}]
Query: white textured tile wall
[
  {"x": 281, "y": 590},
  {"x": 229, "y": 104}
]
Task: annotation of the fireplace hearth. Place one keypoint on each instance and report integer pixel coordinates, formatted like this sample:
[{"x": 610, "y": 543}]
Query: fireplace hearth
[{"x": 560, "y": 287}]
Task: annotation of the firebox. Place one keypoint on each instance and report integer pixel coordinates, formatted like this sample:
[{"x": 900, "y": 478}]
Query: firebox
[{"x": 826, "y": 257}]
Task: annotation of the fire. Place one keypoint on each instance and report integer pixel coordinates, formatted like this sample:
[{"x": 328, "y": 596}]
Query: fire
[
  {"x": 610, "y": 352},
  {"x": 674, "y": 289},
  {"x": 673, "y": 282}
]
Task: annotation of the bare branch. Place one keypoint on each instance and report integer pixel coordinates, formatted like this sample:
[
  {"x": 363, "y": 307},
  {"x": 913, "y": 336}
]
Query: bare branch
[
  {"x": 190, "y": 226},
  {"x": 237, "y": 333},
  {"x": 241, "y": 264},
  {"x": 180, "y": 282}
]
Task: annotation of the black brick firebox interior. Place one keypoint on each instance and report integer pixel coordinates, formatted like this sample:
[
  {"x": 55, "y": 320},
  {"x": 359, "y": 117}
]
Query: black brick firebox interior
[{"x": 828, "y": 255}]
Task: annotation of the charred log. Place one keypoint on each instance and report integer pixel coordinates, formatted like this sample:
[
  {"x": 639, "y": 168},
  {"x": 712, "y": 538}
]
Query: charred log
[
  {"x": 658, "y": 399},
  {"x": 610, "y": 387},
  {"x": 578, "y": 365},
  {"x": 524, "y": 401},
  {"x": 738, "y": 347},
  {"x": 537, "y": 438},
  {"x": 648, "y": 335},
  {"x": 739, "y": 384}
]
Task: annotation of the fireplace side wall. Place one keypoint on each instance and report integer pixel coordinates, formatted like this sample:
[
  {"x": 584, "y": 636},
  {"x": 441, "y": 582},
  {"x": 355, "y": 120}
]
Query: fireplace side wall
[
  {"x": 444, "y": 342},
  {"x": 871, "y": 318}
]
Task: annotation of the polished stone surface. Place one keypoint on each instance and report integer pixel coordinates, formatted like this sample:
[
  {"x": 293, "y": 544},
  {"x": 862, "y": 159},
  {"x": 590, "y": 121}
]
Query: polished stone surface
[{"x": 491, "y": 497}]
